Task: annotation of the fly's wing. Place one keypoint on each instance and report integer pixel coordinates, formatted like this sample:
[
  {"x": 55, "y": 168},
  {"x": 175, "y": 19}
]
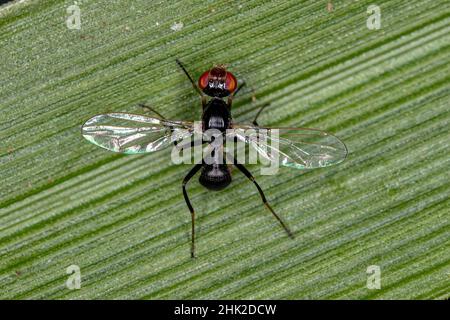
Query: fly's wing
[
  {"x": 299, "y": 148},
  {"x": 133, "y": 134}
]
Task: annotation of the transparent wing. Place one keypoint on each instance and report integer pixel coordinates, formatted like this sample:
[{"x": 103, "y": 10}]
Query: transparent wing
[
  {"x": 133, "y": 133},
  {"x": 300, "y": 148}
]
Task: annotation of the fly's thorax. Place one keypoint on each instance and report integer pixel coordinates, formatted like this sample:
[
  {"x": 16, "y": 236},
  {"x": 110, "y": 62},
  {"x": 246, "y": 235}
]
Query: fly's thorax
[{"x": 216, "y": 115}]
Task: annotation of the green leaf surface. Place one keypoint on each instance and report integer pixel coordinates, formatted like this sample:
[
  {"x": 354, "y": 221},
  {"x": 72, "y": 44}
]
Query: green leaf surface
[{"x": 122, "y": 218}]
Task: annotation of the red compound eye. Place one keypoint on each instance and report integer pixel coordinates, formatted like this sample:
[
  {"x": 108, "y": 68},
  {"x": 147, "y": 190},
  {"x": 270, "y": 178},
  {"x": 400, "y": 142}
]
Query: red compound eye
[
  {"x": 217, "y": 82},
  {"x": 231, "y": 82},
  {"x": 203, "y": 80}
]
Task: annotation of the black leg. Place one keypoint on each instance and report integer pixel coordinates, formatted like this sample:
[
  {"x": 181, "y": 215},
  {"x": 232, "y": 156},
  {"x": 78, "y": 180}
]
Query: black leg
[
  {"x": 188, "y": 177},
  {"x": 263, "y": 197},
  {"x": 238, "y": 88},
  {"x": 196, "y": 88},
  {"x": 230, "y": 97},
  {"x": 258, "y": 113},
  {"x": 148, "y": 108}
]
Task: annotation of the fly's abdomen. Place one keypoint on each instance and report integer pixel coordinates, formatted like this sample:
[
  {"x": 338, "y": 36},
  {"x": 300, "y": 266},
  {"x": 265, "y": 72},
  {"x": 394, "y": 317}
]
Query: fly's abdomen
[{"x": 215, "y": 176}]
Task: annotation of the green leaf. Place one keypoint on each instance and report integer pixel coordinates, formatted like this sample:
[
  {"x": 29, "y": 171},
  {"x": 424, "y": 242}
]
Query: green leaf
[{"x": 122, "y": 218}]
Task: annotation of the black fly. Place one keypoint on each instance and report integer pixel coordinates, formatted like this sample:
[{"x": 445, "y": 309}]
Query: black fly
[{"x": 299, "y": 148}]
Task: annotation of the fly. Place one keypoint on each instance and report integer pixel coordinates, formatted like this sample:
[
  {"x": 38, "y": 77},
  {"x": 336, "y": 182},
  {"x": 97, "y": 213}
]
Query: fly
[{"x": 299, "y": 148}]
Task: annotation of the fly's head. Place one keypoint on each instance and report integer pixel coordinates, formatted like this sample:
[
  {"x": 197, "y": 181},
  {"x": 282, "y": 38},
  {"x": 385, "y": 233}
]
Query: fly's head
[{"x": 217, "y": 82}]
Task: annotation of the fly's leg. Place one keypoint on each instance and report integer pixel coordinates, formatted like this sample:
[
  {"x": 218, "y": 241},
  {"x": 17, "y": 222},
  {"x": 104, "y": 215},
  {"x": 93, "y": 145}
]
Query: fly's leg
[
  {"x": 239, "y": 88},
  {"x": 189, "y": 77},
  {"x": 231, "y": 96},
  {"x": 194, "y": 85},
  {"x": 255, "y": 122},
  {"x": 188, "y": 177},
  {"x": 263, "y": 197},
  {"x": 258, "y": 113},
  {"x": 191, "y": 173},
  {"x": 148, "y": 108}
]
